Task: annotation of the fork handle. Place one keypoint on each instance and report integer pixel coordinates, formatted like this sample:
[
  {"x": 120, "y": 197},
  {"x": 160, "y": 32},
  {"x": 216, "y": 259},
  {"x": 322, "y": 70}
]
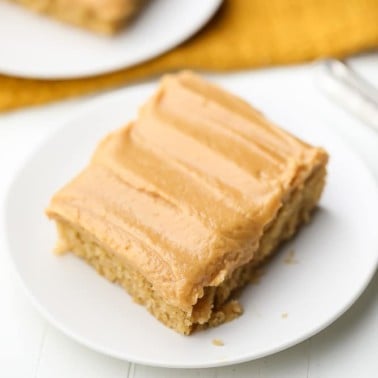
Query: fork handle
[{"x": 350, "y": 90}]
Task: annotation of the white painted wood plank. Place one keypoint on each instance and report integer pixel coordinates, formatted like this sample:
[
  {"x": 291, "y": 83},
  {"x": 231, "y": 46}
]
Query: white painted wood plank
[
  {"x": 21, "y": 329},
  {"x": 246, "y": 370},
  {"x": 62, "y": 357},
  {"x": 140, "y": 371}
]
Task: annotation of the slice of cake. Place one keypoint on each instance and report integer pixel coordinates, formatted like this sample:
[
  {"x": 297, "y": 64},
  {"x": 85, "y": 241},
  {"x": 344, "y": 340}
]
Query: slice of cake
[
  {"x": 181, "y": 205},
  {"x": 103, "y": 16}
]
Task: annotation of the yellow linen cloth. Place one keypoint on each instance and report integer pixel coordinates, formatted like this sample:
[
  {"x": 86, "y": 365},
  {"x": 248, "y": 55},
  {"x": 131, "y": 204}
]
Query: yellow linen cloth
[{"x": 243, "y": 34}]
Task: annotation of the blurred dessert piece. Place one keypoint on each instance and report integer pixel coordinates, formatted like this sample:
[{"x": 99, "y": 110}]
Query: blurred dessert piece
[
  {"x": 181, "y": 205},
  {"x": 102, "y": 16}
]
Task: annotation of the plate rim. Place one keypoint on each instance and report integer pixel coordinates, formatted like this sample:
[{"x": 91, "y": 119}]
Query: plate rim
[{"x": 92, "y": 108}]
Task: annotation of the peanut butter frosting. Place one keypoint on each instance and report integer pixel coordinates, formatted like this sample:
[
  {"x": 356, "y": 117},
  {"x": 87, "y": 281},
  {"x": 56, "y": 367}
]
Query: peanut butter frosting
[
  {"x": 184, "y": 193},
  {"x": 109, "y": 10}
]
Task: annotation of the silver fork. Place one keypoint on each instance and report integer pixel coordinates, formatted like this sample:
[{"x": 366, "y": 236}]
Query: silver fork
[{"x": 342, "y": 84}]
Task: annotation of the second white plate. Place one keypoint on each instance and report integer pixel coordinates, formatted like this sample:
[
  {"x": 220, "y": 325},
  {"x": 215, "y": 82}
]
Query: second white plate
[
  {"x": 38, "y": 47},
  {"x": 335, "y": 255}
]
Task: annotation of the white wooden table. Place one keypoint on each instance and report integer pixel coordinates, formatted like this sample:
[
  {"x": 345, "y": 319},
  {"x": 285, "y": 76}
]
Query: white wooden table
[{"x": 30, "y": 347}]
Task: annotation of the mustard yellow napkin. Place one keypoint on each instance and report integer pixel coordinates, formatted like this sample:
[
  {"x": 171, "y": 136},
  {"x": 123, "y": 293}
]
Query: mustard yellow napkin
[{"x": 243, "y": 34}]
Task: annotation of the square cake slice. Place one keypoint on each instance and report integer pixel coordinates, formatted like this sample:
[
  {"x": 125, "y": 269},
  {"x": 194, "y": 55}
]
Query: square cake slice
[
  {"x": 182, "y": 204},
  {"x": 102, "y": 16}
]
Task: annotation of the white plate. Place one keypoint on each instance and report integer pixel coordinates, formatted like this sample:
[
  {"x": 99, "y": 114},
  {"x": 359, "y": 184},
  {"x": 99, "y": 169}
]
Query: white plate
[
  {"x": 38, "y": 47},
  {"x": 336, "y": 254}
]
